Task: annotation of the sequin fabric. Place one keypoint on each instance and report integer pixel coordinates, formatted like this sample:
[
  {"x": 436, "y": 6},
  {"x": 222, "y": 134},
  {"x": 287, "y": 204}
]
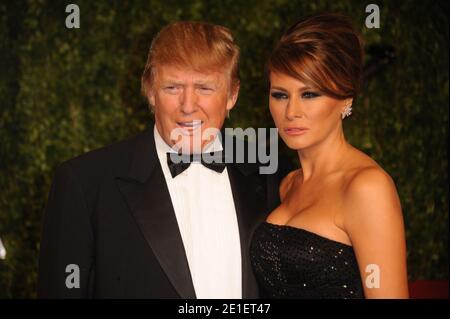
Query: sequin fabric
[{"x": 291, "y": 262}]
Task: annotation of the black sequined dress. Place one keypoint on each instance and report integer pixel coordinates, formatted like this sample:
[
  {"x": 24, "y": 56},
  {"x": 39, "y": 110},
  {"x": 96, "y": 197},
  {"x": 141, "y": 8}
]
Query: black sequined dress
[{"x": 291, "y": 262}]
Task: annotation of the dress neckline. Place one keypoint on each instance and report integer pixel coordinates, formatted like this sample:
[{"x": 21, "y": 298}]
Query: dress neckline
[{"x": 308, "y": 232}]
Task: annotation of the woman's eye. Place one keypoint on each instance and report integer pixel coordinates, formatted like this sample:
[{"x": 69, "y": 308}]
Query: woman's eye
[
  {"x": 309, "y": 95},
  {"x": 279, "y": 95}
]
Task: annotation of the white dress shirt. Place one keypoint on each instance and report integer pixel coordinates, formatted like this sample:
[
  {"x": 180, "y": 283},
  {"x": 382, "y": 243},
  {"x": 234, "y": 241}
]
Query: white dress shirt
[{"x": 206, "y": 216}]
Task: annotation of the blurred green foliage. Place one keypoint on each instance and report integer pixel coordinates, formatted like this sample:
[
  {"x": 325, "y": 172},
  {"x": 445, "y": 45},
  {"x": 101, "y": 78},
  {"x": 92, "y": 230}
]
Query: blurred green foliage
[{"x": 66, "y": 91}]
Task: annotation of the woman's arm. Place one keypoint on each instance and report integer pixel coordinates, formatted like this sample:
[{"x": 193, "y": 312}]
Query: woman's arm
[{"x": 373, "y": 220}]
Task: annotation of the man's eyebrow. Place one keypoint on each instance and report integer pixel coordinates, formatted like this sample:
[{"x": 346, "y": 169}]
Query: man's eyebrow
[
  {"x": 171, "y": 81},
  {"x": 206, "y": 83}
]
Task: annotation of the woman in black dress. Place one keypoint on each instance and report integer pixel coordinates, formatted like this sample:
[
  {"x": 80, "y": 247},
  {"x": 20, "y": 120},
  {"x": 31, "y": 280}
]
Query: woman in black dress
[{"x": 339, "y": 231}]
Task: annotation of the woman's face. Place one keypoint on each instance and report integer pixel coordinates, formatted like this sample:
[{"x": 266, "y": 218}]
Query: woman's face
[{"x": 303, "y": 115}]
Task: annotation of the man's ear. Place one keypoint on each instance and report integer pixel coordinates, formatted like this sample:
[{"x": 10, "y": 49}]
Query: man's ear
[
  {"x": 233, "y": 97},
  {"x": 148, "y": 92},
  {"x": 151, "y": 99},
  {"x": 151, "y": 96}
]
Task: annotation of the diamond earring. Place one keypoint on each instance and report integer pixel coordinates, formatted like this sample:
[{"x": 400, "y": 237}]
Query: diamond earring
[{"x": 347, "y": 111}]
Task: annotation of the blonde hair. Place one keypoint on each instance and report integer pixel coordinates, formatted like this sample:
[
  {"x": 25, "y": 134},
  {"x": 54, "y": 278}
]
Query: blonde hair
[{"x": 197, "y": 45}]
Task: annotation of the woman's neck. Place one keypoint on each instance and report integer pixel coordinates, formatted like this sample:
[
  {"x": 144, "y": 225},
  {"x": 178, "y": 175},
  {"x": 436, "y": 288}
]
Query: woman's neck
[{"x": 323, "y": 158}]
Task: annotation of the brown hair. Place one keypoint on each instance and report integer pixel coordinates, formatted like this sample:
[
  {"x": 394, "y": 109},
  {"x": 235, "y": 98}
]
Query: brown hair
[
  {"x": 197, "y": 45},
  {"x": 324, "y": 51}
]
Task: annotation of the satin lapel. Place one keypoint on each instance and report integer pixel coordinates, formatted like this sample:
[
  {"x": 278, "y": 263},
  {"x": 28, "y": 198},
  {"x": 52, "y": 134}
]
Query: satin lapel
[{"x": 148, "y": 198}]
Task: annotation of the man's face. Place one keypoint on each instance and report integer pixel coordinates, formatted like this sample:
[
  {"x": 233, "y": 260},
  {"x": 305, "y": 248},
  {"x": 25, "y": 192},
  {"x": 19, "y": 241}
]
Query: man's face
[{"x": 190, "y": 102}]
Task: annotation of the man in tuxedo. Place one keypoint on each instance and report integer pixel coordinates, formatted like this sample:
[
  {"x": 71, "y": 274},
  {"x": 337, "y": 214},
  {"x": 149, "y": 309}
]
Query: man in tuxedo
[{"x": 126, "y": 221}]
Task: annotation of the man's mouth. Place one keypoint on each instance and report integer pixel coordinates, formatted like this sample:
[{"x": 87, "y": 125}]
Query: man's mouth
[
  {"x": 191, "y": 125},
  {"x": 189, "y": 128}
]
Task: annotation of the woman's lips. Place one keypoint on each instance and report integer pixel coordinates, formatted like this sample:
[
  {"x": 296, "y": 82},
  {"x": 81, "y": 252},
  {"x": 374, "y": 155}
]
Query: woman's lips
[{"x": 295, "y": 131}]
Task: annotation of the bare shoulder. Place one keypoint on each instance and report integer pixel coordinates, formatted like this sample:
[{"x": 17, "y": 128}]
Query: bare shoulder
[
  {"x": 368, "y": 188},
  {"x": 367, "y": 180},
  {"x": 286, "y": 183},
  {"x": 370, "y": 193}
]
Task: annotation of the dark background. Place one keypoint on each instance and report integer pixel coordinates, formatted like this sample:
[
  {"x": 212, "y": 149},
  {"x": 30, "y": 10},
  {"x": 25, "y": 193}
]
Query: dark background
[{"x": 66, "y": 91}]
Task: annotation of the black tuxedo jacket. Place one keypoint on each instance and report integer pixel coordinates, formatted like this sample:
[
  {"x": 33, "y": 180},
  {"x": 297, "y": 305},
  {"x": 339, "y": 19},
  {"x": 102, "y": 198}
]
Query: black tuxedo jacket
[{"x": 109, "y": 213}]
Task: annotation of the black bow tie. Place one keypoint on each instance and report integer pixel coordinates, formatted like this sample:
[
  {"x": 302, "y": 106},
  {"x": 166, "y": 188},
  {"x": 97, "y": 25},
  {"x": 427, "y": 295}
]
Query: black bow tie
[{"x": 216, "y": 161}]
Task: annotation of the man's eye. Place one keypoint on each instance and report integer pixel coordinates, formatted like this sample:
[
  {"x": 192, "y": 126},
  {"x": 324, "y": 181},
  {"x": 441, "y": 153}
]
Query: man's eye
[
  {"x": 279, "y": 96},
  {"x": 170, "y": 87},
  {"x": 205, "y": 89},
  {"x": 310, "y": 95}
]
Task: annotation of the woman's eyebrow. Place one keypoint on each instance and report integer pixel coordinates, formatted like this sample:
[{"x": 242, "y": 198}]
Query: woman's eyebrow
[
  {"x": 303, "y": 88},
  {"x": 278, "y": 88}
]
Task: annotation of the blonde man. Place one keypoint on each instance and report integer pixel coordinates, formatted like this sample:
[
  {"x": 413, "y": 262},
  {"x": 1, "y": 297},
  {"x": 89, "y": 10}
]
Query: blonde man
[{"x": 133, "y": 223}]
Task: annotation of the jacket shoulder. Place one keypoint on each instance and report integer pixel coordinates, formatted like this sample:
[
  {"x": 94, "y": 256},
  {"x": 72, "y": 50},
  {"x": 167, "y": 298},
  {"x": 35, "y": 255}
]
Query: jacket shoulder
[{"x": 112, "y": 158}]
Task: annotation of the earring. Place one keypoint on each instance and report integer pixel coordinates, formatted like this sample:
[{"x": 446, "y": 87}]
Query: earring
[
  {"x": 347, "y": 111},
  {"x": 228, "y": 114}
]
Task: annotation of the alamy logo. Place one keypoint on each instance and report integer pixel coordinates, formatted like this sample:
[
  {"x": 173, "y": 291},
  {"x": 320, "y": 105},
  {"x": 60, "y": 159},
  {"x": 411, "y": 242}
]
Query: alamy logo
[
  {"x": 373, "y": 19},
  {"x": 73, "y": 19},
  {"x": 373, "y": 278},
  {"x": 235, "y": 149},
  {"x": 73, "y": 279}
]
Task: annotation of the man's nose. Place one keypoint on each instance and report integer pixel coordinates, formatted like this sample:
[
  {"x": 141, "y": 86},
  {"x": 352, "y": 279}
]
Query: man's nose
[{"x": 188, "y": 101}]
